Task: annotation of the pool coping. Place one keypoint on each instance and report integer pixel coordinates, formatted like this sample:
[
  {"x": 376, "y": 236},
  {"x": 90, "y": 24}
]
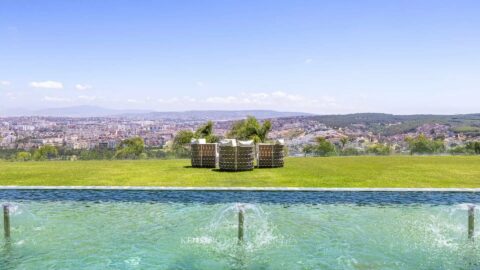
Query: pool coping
[{"x": 166, "y": 188}]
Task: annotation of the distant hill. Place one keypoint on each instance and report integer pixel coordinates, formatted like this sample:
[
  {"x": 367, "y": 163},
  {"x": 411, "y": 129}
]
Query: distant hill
[
  {"x": 389, "y": 124},
  {"x": 94, "y": 111},
  {"x": 74, "y": 111},
  {"x": 221, "y": 115}
]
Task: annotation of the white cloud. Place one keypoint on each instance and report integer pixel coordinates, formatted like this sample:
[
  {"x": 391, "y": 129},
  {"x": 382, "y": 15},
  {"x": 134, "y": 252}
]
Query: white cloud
[
  {"x": 87, "y": 98},
  {"x": 175, "y": 100},
  {"x": 224, "y": 100},
  {"x": 200, "y": 84},
  {"x": 11, "y": 95},
  {"x": 82, "y": 87},
  {"x": 169, "y": 100},
  {"x": 136, "y": 101},
  {"x": 278, "y": 100},
  {"x": 5, "y": 83},
  {"x": 308, "y": 61},
  {"x": 56, "y": 99},
  {"x": 47, "y": 85}
]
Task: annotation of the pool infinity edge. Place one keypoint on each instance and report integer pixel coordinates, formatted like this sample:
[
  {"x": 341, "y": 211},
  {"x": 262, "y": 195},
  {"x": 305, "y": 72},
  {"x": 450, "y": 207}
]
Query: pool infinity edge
[{"x": 239, "y": 188}]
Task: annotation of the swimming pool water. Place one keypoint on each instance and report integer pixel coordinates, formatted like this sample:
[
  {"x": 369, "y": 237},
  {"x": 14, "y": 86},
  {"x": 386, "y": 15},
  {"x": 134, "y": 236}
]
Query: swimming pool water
[{"x": 198, "y": 230}]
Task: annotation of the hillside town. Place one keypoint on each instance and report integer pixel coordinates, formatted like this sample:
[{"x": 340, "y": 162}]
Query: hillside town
[{"x": 30, "y": 133}]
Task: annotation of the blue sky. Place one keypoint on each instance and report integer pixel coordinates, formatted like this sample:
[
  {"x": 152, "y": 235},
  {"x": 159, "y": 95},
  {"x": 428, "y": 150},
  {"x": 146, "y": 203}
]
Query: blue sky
[{"x": 315, "y": 56}]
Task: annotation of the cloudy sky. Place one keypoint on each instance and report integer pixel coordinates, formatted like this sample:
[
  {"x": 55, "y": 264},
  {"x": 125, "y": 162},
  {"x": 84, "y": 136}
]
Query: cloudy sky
[{"x": 314, "y": 56}]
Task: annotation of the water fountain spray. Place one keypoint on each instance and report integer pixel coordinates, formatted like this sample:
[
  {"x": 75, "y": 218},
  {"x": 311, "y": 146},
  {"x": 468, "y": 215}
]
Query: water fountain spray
[
  {"x": 6, "y": 220},
  {"x": 471, "y": 221},
  {"x": 241, "y": 219}
]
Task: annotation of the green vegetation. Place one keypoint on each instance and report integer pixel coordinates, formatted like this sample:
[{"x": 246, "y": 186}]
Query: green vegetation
[
  {"x": 45, "y": 152},
  {"x": 250, "y": 129},
  {"x": 366, "y": 171},
  {"x": 130, "y": 149},
  {"x": 473, "y": 147},
  {"x": 23, "y": 156},
  {"x": 423, "y": 145},
  {"x": 389, "y": 124},
  {"x": 181, "y": 142},
  {"x": 324, "y": 148},
  {"x": 379, "y": 149},
  {"x": 206, "y": 132}
]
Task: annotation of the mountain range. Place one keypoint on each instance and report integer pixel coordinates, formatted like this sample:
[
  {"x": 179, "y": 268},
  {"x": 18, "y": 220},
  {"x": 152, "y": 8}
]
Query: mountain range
[{"x": 94, "y": 111}]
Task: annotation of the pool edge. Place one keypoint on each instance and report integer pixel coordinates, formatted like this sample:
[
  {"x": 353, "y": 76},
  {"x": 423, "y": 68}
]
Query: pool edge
[{"x": 240, "y": 188}]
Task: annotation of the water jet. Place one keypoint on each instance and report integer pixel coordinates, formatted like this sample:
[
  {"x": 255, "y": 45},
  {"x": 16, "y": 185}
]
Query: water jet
[
  {"x": 241, "y": 219},
  {"x": 471, "y": 221},
  {"x": 6, "y": 220}
]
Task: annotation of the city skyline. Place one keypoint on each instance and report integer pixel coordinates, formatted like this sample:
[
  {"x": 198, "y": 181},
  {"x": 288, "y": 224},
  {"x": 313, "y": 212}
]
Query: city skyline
[{"x": 318, "y": 57}]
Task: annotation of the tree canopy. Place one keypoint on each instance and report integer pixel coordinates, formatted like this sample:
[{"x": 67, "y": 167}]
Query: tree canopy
[
  {"x": 206, "y": 132},
  {"x": 473, "y": 147},
  {"x": 423, "y": 145},
  {"x": 45, "y": 152},
  {"x": 250, "y": 129},
  {"x": 130, "y": 148},
  {"x": 23, "y": 156},
  {"x": 379, "y": 149},
  {"x": 324, "y": 147}
]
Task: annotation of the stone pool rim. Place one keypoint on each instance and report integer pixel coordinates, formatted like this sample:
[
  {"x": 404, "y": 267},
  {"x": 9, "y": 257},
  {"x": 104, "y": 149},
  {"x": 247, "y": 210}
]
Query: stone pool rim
[{"x": 287, "y": 189}]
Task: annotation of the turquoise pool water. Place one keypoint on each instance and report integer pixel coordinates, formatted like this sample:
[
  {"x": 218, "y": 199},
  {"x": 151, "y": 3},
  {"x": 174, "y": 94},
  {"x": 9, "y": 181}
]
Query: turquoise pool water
[{"x": 153, "y": 231}]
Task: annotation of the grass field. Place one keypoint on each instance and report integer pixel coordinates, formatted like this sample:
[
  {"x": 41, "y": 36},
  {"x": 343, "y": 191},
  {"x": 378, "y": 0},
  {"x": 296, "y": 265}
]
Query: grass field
[{"x": 392, "y": 171}]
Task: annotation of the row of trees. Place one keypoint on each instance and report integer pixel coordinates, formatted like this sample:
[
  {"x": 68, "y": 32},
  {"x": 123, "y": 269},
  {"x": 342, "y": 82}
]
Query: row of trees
[
  {"x": 43, "y": 153},
  {"x": 248, "y": 129},
  {"x": 471, "y": 148},
  {"x": 324, "y": 147},
  {"x": 132, "y": 148},
  {"x": 423, "y": 145},
  {"x": 418, "y": 145}
]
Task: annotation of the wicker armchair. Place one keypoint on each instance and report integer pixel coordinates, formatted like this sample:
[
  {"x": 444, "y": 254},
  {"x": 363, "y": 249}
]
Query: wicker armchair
[
  {"x": 270, "y": 155},
  {"x": 204, "y": 155},
  {"x": 236, "y": 156}
]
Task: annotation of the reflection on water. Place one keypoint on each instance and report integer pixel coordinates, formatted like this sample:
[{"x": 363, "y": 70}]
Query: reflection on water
[{"x": 83, "y": 234}]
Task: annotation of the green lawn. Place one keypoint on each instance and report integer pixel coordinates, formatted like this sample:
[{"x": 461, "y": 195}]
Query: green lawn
[{"x": 392, "y": 171}]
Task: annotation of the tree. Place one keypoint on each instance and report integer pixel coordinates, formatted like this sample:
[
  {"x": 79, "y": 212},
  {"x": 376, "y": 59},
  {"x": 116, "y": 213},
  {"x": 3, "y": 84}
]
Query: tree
[
  {"x": 324, "y": 147},
  {"x": 474, "y": 147},
  {"x": 206, "y": 132},
  {"x": 130, "y": 148},
  {"x": 45, "y": 152},
  {"x": 423, "y": 145},
  {"x": 379, "y": 149},
  {"x": 308, "y": 149},
  {"x": 250, "y": 129},
  {"x": 181, "y": 142},
  {"x": 460, "y": 150},
  {"x": 343, "y": 141},
  {"x": 350, "y": 151},
  {"x": 23, "y": 156}
]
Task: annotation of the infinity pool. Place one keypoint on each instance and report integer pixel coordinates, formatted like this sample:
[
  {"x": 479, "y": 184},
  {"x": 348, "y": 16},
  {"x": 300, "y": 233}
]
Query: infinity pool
[{"x": 65, "y": 229}]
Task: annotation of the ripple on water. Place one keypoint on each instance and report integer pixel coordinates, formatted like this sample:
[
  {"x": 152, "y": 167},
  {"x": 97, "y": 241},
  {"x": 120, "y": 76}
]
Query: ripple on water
[{"x": 174, "y": 232}]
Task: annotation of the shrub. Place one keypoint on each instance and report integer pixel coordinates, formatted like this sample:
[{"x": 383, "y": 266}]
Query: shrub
[
  {"x": 379, "y": 149},
  {"x": 45, "y": 152},
  {"x": 23, "y": 156}
]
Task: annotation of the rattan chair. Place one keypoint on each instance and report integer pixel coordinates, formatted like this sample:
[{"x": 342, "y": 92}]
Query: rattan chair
[
  {"x": 270, "y": 155},
  {"x": 204, "y": 155},
  {"x": 236, "y": 156}
]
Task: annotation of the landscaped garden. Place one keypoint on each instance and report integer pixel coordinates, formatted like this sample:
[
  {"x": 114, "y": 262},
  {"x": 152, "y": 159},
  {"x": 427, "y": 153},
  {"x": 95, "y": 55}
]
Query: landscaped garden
[{"x": 362, "y": 171}]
